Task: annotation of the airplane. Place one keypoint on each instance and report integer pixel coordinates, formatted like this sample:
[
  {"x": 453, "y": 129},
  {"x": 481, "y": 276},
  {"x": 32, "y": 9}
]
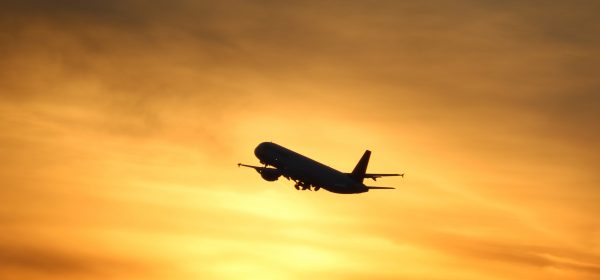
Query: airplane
[{"x": 309, "y": 174}]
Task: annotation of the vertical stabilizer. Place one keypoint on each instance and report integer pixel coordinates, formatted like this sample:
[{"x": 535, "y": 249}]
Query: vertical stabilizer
[{"x": 361, "y": 167}]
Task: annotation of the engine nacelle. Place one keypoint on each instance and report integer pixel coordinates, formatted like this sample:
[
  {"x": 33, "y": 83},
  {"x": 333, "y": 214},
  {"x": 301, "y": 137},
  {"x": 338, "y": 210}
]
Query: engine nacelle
[{"x": 270, "y": 174}]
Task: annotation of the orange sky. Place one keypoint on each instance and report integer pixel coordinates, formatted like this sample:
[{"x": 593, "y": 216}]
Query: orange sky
[{"x": 121, "y": 123}]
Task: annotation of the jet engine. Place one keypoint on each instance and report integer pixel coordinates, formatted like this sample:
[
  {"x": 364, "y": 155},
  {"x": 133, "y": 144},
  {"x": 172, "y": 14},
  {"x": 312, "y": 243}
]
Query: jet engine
[{"x": 270, "y": 174}]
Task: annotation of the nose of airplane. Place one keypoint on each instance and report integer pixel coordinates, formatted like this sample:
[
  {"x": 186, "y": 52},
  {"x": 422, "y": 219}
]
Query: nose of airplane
[{"x": 261, "y": 150}]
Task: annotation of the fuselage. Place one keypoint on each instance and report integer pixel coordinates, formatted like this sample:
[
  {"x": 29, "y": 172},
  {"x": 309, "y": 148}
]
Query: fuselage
[{"x": 300, "y": 168}]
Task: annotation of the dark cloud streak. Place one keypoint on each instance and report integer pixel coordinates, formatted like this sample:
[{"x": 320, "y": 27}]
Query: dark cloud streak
[{"x": 48, "y": 261}]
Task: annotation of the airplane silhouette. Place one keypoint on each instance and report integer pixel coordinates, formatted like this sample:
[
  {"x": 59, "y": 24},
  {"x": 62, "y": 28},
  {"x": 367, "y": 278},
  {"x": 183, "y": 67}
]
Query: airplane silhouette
[{"x": 309, "y": 174}]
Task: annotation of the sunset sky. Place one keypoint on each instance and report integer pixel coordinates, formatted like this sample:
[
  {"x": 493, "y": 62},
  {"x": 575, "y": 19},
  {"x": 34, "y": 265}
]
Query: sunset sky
[{"x": 121, "y": 124}]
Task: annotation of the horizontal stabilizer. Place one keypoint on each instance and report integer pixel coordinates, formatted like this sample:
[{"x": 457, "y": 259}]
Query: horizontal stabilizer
[
  {"x": 375, "y": 176},
  {"x": 381, "y": 188}
]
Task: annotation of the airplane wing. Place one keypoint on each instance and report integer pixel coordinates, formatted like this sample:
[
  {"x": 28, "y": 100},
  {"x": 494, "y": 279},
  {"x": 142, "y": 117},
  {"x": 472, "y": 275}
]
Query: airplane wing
[
  {"x": 270, "y": 173},
  {"x": 257, "y": 168}
]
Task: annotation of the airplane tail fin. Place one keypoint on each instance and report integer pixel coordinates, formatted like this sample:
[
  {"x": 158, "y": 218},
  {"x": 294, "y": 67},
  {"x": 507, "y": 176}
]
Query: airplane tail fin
[{"x": 361, "y": 167}]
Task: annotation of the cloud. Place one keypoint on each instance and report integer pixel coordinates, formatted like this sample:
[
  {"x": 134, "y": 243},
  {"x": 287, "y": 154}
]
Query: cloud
[
  {"x": 523, "y": 255},
  {"x": 111, "y": 113},
  {"x": 41, "y": 262}
]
